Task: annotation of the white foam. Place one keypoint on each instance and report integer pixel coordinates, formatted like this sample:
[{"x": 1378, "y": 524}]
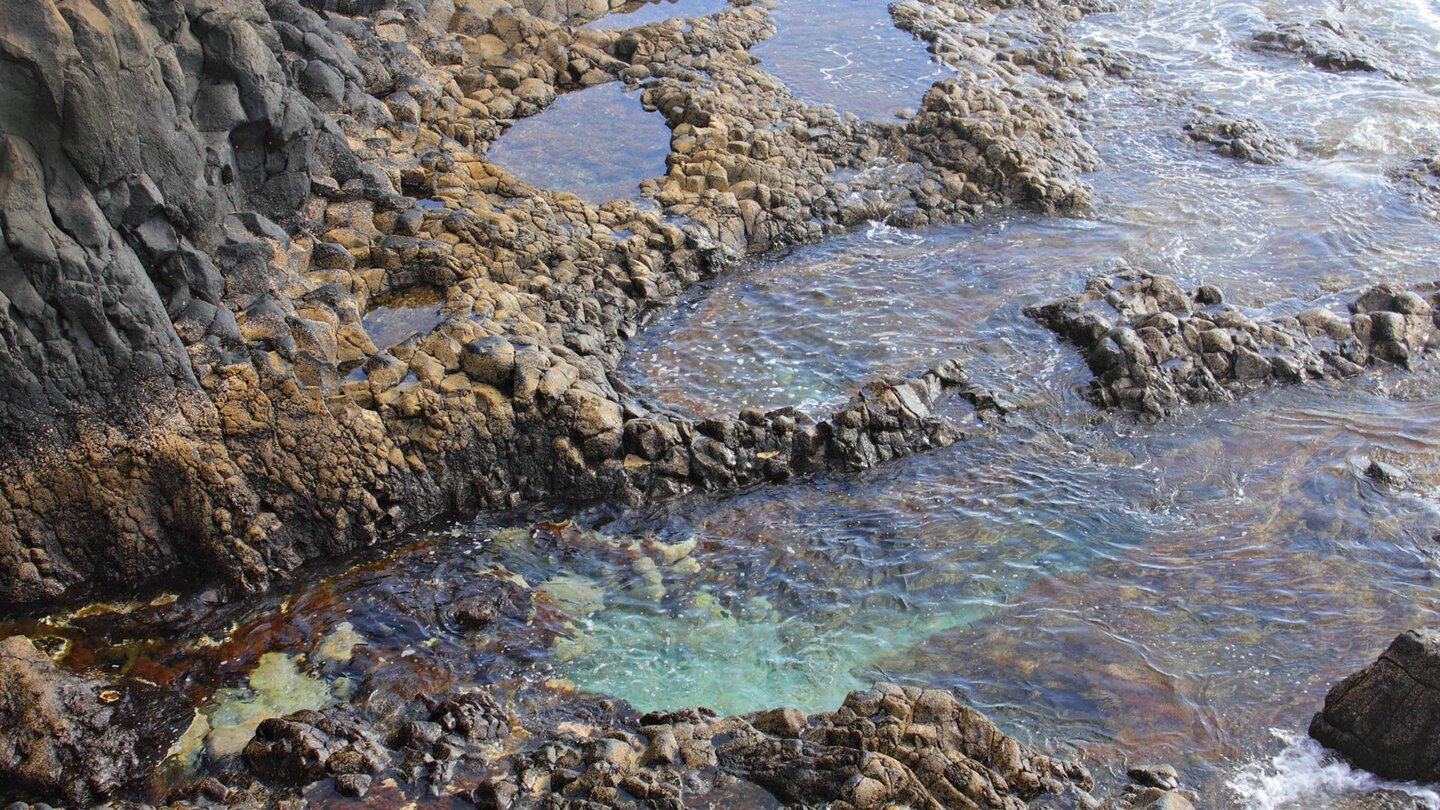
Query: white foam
[
  {"x": 1305, "y": 775},
  {"x": 887, "y": 234}
]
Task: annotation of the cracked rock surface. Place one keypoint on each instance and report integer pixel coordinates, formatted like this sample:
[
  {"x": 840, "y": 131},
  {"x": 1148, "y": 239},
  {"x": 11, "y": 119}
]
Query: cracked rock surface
[
  {"x": 1154, "y": 346},
  {"x": 202, "y": 198},
  {"x": 1383, "y": 718}
]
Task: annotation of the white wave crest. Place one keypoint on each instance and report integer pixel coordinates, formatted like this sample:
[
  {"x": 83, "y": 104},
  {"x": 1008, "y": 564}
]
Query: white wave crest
[{"x": 1305, "y": 775}]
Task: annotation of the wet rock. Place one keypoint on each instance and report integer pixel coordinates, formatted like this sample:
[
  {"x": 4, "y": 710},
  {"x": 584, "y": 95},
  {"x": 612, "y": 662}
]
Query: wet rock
[
  {"x": 1068, "y": 798},
  {"x": 1238, "y": 138},
  {"x": 1386, "y": 473},
  {"x": 1152, "y": 798},
  {"x": 1151, "y": 350},
  {"x": 353, "y": 784},
  {"x": 883, "y": 747},
  {"x": 303, "y": 747},
  {"x": 780, "y": 722},
  {"x": 1383, "y": 717},
  {"x": 1329, "y": 45},
  {"x": 76, "y": 739},
  {"x": 1164, "y": 777},
  {"x": 474, "y": 716},
  {"x": 495, "y": 794}
]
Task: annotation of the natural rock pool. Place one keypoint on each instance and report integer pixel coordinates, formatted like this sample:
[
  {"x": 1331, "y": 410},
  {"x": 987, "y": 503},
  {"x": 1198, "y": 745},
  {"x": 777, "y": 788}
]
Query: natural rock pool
[
  {"x": 850, "y": 55},
  {"x": 557, "y": 148},
  {"x": 645, "y": 12},
  {"x": 400, "y": 315},
  {"x": 1180, "y": 592}
]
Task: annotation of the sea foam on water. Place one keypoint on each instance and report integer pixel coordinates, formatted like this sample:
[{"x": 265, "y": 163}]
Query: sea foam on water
[{"x": 1306, "y": 775}]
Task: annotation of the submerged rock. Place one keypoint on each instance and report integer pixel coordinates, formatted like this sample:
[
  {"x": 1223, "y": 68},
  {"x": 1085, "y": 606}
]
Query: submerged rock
[
  {"x": 1329, "y": 45},
  {"x": 1383, "y": 718},
  {"x": 78, "y": 739},
  {"x": 1239, "y": 138},
  {"x": 1152, "y": 346}
]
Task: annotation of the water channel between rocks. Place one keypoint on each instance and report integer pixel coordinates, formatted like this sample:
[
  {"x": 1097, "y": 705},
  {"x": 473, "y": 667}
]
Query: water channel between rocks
[{"x": 1183, "y": 592}]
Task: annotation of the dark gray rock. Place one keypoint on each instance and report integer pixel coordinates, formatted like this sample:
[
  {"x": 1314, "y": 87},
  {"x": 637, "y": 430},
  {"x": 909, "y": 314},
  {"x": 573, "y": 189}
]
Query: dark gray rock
[
  {"x": 1386, "y": 473},
  {"x": 1383, "y": 718},
  {"x": 1329, "y": 45},
  {"x": 1238, "y": 138},
  {"x": 1152, "y": 350}
]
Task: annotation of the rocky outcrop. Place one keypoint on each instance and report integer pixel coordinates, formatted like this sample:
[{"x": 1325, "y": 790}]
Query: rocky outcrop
[
  {"x": 1330, "y": 45},
  {"x": 1239, "y": 138},
  {"x": 1420, "y": 180},
  {"x": 202, "y": 197},
  {"x": 885, "y": 746},
  {"x": 1153, "y": 346},
  {"x": 1383, "y": 718},
  {"x": 77, "y": 738},
  {"x": 305, "y": 746}
]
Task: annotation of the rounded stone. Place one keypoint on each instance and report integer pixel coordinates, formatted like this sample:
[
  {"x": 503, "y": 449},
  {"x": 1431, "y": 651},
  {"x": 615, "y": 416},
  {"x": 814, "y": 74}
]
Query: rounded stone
[{"x": 489, "y": 360}]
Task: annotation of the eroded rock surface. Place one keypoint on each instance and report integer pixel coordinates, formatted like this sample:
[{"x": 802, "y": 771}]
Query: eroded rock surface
[
  {"x": 885, "y": 746},
  {"x": 202, "y": 198},
  {"x": 1383, "y": 718},
  {"x": 1239, "y": 138},
  {"x": 1330, "y": 45},
  {"x": 1154, "y": 346},
  {"x": 77, "y": 738}
]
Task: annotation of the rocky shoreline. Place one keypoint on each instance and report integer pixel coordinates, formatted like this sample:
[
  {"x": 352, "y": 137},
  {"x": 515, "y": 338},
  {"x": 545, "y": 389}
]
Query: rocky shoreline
[
  {"x": 211, "y": 351},
  {"x": 202, "y": 198},
  {"x": 1153, "y": 346}
]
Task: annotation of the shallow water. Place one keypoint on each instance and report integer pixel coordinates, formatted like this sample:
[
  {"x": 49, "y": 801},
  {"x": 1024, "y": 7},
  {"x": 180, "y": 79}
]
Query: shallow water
[
  {"x": 558, "y": 148},
  {"x": 1170, "y": 592},
  {"x": 395, "y": 317},
  {"x": 850, "y": 55},
  {"x": 645, "y": 12},
  {"x": 1185, "y": 592}
]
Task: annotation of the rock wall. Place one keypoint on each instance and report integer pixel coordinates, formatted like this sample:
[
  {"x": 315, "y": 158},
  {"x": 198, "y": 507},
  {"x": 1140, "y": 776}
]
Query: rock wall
[{"x": 200, "y": 198}]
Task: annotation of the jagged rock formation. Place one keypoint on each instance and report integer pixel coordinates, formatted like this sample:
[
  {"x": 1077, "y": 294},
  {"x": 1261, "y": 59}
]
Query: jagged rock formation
[
  {"x": 1152, "y": 346},
  {"x": 80, "y": 739},
  {"x": 1383, "y": 718},
  {"x": 885, "y": 746},
  {"x": 202, "y": 197},
  {"x": 1239, "y": 138},
  {"x": 1329, "y": 45},
  {"x": 199, "y": 199}
]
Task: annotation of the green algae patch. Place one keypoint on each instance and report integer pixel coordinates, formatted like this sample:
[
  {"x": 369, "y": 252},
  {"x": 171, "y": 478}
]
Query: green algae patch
[{"x": 277, "y": 687}]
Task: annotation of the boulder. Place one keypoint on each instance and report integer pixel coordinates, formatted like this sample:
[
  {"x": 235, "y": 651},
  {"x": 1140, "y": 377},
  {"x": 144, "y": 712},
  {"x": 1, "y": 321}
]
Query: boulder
[{"x": 1384, "y": 717}]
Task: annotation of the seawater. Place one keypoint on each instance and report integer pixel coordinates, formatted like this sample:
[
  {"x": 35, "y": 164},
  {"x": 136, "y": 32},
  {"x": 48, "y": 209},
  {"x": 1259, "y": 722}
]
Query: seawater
[{"x": 1182, "y": 592}]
